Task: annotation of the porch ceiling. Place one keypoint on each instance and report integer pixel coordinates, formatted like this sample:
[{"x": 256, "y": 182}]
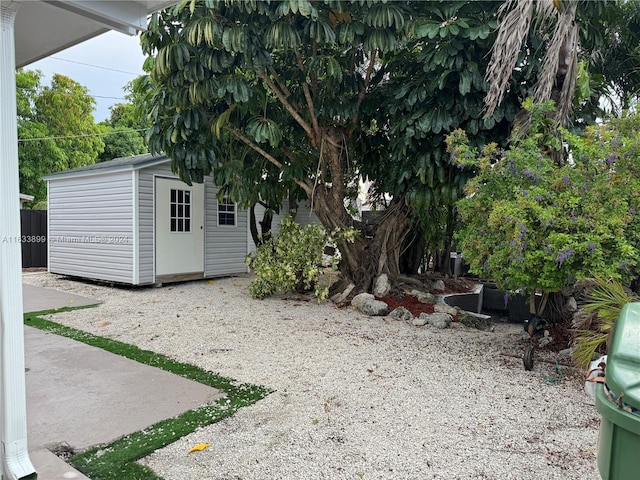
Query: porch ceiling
[{"x": 45, "y": 27}]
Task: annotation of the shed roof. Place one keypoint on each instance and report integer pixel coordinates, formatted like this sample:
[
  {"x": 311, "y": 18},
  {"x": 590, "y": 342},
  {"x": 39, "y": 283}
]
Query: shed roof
[{"x": 116, "y": 165}]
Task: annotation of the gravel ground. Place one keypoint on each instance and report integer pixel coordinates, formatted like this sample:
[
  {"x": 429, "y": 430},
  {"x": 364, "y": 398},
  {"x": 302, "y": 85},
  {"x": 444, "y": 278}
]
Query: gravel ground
[{"x": 354, "y": 397}]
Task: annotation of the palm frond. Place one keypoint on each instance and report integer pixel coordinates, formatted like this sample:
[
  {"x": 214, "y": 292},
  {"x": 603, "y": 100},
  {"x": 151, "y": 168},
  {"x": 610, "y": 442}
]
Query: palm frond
[
  {"x": 561, "y": 52},
  {"x": 608, "y": 299},
  {"x": 565, "y": 104},
  {"x": 587, "y": 343},
  {"x": 604, "y": 303},
  {"x": 514, "y": 27}
]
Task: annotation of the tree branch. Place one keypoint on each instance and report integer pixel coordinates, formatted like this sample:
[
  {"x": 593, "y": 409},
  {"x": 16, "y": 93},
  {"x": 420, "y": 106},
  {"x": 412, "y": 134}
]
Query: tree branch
[
  {"x": 367, "y": 81},
  {"x": 288, "y": 106},
  {"x": 307, "y": 96},
  {"x": 279, "y": 81},
  {"x": 255, "y": 147}
]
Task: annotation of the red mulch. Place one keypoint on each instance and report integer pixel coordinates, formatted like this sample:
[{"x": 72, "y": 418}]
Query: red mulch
[
  {"x": 409, "y": 302},
  {"x": 562, "y": 337}
]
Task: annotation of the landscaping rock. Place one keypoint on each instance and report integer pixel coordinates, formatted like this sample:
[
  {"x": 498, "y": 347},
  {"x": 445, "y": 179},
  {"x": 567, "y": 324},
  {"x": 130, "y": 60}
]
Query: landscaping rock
[
  {"x": 367, "y": 304},
  {"x": 478, "y": 323},
  {"x": 438, "y": 285},
  {"x": 341, "y": 297},
  {"x": 423, "y": 297},
  {"x": 544, "y": 341},
  {"x": 358, "y": 300},
  {"x": 565, "y": 356},
  {"x": 444, "y": 308},
  {"x": 571, "y": 305},
  {"x": 420, "y": 321},
  {"x": 382, "y": 286},
  {"x": 401, "y": 313},
  {"x": 437, "y": 320},
  {"x": 374, "y": 308}
]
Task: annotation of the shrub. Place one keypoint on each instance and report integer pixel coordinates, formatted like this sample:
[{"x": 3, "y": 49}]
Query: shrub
[
  {"x": 531, "y": 224},
  {"x": 291, "y": 261}
]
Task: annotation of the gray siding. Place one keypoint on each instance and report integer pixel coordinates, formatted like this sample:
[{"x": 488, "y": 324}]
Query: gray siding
[
  {"x": 146, "y": 257},
  {"x": 91, "y": 227},
  {"x": 225, "y": 246},
  {"x": 304, "y": 217}
]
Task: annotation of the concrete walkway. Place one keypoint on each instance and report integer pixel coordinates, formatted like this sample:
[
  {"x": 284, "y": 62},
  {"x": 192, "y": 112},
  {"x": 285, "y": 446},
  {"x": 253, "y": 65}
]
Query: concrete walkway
[{"x": 79, "y": 396}]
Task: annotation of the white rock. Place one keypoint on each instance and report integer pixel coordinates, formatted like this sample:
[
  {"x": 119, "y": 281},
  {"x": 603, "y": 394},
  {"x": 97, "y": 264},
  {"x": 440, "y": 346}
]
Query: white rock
[
  {"x": 382, "y": 286},
  {"x": 444, "y": 308},
  {"x": 419, "y": 321},
  {"x": 359, "y": 299},
  {"x": 401, "y": 313},
  {"x": 437, "y": 320}
]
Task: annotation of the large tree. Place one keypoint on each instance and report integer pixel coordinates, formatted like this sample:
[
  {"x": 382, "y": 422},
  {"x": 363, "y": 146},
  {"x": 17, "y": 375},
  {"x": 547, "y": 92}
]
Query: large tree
[
  {"x": 124, "y": 134},
  {"x": 55, "y": 128},
  {"x": 126, "y": 126},
  {"x": 314, "y": 92}
]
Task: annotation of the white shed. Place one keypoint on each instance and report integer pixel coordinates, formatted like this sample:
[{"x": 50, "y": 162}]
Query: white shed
[{"x": 132, "y": 221}]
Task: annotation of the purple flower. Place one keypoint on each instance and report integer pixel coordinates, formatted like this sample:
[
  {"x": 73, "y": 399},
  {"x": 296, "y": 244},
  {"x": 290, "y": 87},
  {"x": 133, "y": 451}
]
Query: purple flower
[
  {"x": 564, "y": 256},
  {"x": 520, "y": 236},
  {"x": 632, "y": 211},
  {"x": 565, "y": 179},
  {"x": 591, "y": 246},
  {"x": 612, "y": 159},
  {"x": 522, "y": 228}
]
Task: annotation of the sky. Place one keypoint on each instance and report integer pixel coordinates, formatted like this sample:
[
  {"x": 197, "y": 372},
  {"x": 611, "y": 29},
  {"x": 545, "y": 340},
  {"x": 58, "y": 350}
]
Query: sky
[{"x": 104, "y": 64}]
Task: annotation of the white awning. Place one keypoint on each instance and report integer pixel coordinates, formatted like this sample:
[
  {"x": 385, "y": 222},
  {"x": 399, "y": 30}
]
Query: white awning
[
  {"x": 45, "y": 27},
  {"x": 31, "y": 30}
]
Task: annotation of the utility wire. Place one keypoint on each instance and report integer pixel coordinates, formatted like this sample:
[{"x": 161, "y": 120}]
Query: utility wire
[
  {"x": 74, "y": 94},
  {"x": 61, "y": 137},
  {"x": 97, "y": 66}
]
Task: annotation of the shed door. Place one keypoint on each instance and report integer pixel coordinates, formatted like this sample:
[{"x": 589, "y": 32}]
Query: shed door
[{"x": 179, "y": 227}]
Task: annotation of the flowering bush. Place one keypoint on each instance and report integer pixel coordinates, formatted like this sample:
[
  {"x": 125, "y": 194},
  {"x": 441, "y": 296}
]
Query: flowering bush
[{"x": 531, "y": 224}]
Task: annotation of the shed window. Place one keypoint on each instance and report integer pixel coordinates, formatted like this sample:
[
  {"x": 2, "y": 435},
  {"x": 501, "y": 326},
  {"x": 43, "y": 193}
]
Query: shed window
[
  {"x": 226, "y": 212},
  {"x": 180, "y": 210}
]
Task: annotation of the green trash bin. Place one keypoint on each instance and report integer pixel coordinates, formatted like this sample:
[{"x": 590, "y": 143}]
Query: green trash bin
[{"x": 618, "y": 401}]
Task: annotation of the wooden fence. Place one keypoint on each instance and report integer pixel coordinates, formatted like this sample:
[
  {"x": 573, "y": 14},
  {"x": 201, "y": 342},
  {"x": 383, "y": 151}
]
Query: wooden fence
[{"x": 33, "y": 226}]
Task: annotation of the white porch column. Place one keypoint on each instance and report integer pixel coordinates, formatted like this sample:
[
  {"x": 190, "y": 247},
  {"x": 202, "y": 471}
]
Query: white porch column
[{"x": 14, "y": 456}]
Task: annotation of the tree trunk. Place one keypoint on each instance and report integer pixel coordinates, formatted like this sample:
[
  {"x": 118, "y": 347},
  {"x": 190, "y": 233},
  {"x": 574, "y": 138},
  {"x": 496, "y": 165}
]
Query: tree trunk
[
  {"x": 265, "y": 226},
  {"x": 413, "y": 252},
  {"x": 372, "y": 253},
  {"x": 293, "y": 206}
]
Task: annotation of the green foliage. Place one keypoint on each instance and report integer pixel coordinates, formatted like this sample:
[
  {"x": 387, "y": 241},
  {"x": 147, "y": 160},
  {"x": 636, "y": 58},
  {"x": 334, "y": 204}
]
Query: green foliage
[
  {"x": 55, "y": 128},
  {"x": 292, "y": 261},
  {"x": 533, "y": 225},
  {"x": 126, "y": 129},
  {"x": 122, "y": 142},
  {"x": 67, "y": 109},
  {"x": 605, "y": 302},
  {"x": 382, "y": 83}
]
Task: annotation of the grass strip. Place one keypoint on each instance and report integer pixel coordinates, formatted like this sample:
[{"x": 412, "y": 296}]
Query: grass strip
[{"x": 117, "y": 460}]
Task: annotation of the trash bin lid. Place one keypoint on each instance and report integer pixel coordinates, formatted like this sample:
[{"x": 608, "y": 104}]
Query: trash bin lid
[{"x": 623, "y": 361}]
